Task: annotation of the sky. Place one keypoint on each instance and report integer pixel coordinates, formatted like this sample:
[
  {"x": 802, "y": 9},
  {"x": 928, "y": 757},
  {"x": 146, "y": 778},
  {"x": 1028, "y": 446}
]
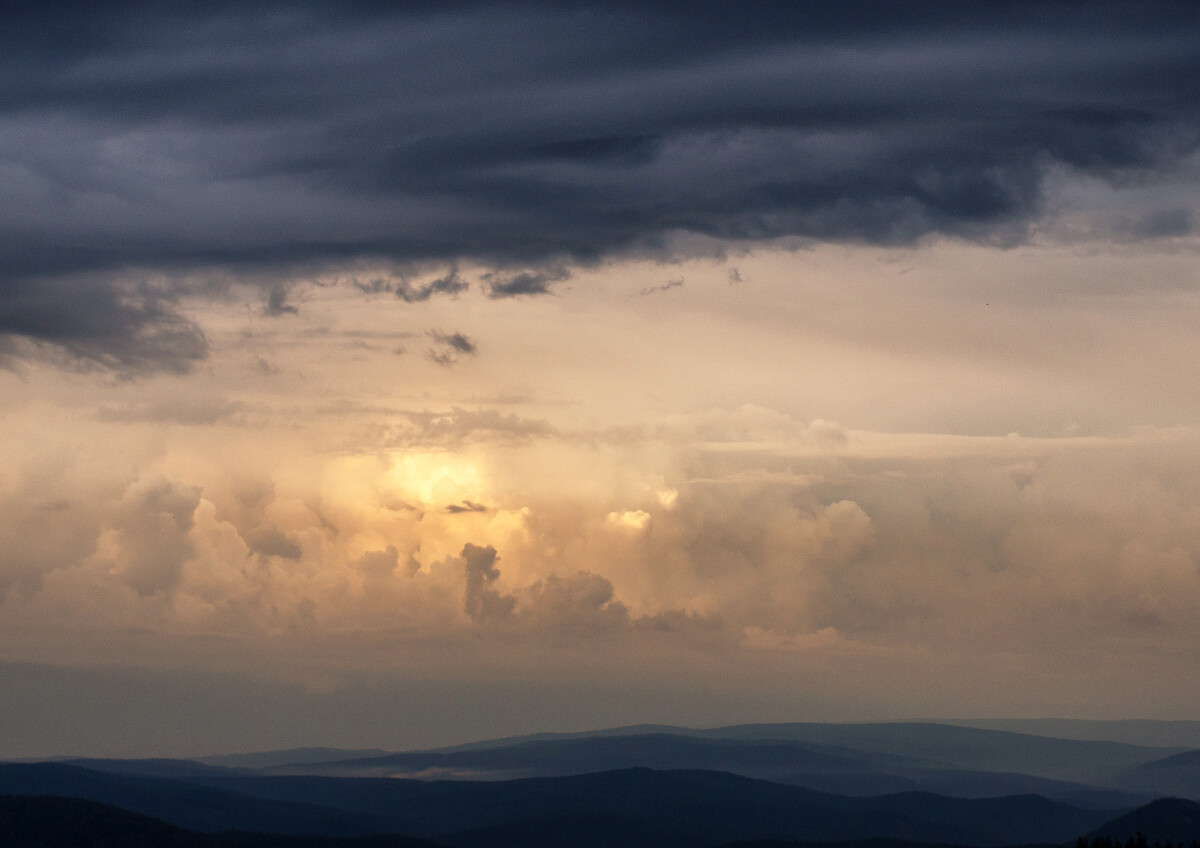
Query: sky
[{"x": 398, "y": 375}]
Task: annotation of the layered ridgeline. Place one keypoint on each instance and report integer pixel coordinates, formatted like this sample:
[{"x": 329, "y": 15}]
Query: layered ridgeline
[
  {"x": 857, "y": 759},
  {"x": 929, "y": 784}
]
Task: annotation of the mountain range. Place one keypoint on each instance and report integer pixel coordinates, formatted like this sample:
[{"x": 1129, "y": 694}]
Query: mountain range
[{"x": 915, "y": 783}]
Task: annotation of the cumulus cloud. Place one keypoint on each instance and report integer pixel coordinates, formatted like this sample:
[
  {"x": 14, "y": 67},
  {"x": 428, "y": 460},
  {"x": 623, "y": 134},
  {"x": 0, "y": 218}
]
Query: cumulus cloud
[
  {"x": 481, "y": 601},
  {"x": 270, "y": 541},
  {"x": 635, "y": 520},
  {"x": 943, "y": 547},
  {"x": 582, "y": 601},
  {"x": 152, "y": 527},
  {"x": 380, "y": 564}
]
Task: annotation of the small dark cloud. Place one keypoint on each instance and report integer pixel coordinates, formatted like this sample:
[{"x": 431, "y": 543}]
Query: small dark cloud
[
  {"x": 264, "y": 367},
  {"x": 467, "y": 506},
  {"x": 523, "y": 283},
  {"x": 277, "y": 304},
  {"x": 456, "y": 341},
  {"x": 375, "y": 285},
  {"x": 674, "y": 283},
  {"x": 451, "y": 284},
  {"x": 450, "y": 347},
  {"x": 734, "y": 276}
]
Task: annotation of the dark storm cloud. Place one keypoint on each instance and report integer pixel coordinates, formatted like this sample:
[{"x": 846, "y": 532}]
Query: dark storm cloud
[
  {"x": 90, "y": 321},
  {"x": 249, "y": 136}
]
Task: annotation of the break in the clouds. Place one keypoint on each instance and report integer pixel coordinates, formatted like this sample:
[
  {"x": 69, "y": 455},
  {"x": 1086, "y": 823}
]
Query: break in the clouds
[{"x": 151, "y": 140}]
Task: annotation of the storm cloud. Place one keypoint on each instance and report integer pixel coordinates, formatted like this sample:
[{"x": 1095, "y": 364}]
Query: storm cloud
[{"x": 253, "y": 136}]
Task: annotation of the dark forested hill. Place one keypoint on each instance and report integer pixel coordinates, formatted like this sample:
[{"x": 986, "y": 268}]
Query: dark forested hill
[
  {"x": 707, "y": 807},
  {"x": 51, "y": 822},
  {"x": 190, "y": 805},
  {"x": 1173, "y": 819},
  {"x": 681, "y": 821}
]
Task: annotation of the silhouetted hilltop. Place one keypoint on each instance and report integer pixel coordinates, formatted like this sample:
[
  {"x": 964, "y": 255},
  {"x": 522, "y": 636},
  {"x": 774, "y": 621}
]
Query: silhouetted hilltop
[
  {"x": 190, "y": 805},
  {"x": 708, "y": 808},
  {"x": 1174, "y": 819},
  {"x": 52, "y": 822}
]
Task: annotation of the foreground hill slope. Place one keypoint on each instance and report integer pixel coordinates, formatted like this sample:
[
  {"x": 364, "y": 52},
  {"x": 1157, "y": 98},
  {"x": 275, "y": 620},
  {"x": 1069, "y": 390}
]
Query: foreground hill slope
[
  {"x": 709, "y": 807},
  {"x": 1173, "y": 819},
  {"x": 635, "y": 808},
  {"x": 51, "y": 822},
  {"x": 191, "y": 805}
]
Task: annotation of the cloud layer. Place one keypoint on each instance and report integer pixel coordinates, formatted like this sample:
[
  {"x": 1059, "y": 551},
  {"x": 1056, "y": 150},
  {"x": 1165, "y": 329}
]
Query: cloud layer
[{"x": 257, "y": 136}]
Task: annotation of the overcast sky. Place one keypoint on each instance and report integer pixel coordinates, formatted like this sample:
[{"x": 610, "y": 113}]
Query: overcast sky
[{"x": 399, "y": 375}]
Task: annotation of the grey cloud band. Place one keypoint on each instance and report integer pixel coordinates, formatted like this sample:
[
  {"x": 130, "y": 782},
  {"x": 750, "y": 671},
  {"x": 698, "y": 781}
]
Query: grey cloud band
[{"x": 530, "y": 136}]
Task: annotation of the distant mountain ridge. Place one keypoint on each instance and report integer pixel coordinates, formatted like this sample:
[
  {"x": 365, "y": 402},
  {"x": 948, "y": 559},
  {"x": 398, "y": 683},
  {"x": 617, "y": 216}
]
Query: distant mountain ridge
[
  {"x": 289, "y": 756},
  {"x": 855, "y": 759},
  {"x": 1149, "y": 732},
  {"x": 850, "y": 759},
  {"x": 652, "y": 786}
]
